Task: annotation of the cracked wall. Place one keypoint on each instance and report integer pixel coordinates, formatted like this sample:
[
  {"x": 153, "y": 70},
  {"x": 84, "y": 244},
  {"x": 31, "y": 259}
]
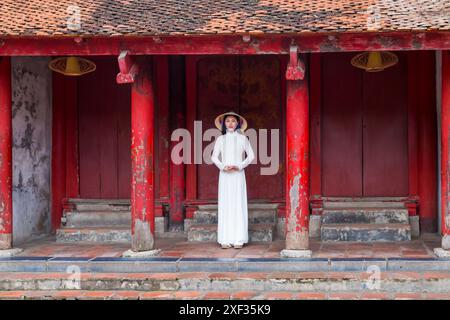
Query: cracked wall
[{"x": 31, "y": 112}]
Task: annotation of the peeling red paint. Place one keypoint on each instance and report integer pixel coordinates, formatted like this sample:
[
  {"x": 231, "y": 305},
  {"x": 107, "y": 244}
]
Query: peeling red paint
[
  {"x": 296, "y": 67},
  {"x": 228, "y": 44},
  {"x": 128, "y": 70},
  {"x": 297, "y": 131},
  {"x": 142, "y": 125},
  {"x": 5, "y": 153}
]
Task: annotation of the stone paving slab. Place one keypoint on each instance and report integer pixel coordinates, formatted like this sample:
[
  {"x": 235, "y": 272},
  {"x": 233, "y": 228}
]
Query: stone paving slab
[
  {"x": 176, "y": 255},
  {"x": 207, "y": 264},
  {"x": 180, "y": 248}
]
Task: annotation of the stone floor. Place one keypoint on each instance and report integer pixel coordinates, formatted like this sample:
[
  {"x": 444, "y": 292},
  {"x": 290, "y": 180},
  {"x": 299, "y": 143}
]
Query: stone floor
[
  {"x": 42, "y": 272},
  {"x": 179, "y": 247}
]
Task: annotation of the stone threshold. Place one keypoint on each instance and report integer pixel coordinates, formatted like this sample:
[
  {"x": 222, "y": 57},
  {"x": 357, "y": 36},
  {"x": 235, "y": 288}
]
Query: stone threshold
[{"x": 175, "y": 264}]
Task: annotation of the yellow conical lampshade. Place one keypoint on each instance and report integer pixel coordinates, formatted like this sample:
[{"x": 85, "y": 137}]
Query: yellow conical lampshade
[
  {"x": 72, "y": 66},
  {"x": 374, "y": 61}
]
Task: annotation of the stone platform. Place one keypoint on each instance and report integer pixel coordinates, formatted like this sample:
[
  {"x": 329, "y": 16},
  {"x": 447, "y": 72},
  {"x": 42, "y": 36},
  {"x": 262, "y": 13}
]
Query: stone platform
[{"x": 47, "y": 269}]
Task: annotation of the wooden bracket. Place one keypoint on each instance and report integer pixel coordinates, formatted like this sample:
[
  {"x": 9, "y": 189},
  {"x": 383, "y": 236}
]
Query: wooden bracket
[
  {"x": 128, "y": 69},
  {"x": 296, "y": 67}
]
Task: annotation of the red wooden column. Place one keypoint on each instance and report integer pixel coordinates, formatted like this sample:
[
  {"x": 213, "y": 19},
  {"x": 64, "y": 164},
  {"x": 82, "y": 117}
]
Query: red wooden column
[
  {"x": 138, "y": 73},
  {"x": 427, "y": 142},
  {"x": 65, "y": 172},
  {"x": 445, "y": 157},
  {"x": 177, "y": 120},
  {"x": 58, "y": 150},
  {"x": 297, "y": 162},
  {"x": 162, "y": 91},
  {"x": 5, "y": 155}
]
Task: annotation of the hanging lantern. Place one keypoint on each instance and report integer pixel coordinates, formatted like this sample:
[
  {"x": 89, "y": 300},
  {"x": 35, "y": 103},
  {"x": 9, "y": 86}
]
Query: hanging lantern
[
  {"x": 374, "y": 61},
  {"x": 72, "y": 66}
]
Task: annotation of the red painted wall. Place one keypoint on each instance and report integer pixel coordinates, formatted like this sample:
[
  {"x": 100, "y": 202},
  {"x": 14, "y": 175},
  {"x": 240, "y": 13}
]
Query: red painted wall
[
  {"x": 364, "y": 129},
  {"x": 422, "y": 69},
  {"x": 104, "y": 133},
  {"x": 334, "y": 109},
  {"x": 91, "y": 131}
]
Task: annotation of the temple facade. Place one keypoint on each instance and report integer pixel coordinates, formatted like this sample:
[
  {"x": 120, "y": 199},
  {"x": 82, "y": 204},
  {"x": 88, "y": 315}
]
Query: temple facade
[{"x": 342, "y": 153}]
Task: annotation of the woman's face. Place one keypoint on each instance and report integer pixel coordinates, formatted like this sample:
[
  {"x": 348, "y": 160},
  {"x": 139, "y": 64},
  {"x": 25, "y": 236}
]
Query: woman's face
[{"x": 231, "y": 123}]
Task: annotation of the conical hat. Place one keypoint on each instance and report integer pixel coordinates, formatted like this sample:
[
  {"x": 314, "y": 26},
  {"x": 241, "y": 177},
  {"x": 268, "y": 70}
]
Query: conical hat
[{"x": 219, "y": 120}]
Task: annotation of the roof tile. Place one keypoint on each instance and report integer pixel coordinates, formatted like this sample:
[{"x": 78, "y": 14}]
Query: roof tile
[{"x": 170, "y": 17}]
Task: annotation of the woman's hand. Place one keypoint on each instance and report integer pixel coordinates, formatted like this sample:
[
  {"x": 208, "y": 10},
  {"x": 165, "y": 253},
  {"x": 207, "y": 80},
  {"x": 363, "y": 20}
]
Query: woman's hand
[{"x": 230, "y": 168}]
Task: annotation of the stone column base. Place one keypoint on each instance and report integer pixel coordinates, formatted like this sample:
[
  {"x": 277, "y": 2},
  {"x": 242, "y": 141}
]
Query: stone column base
[
  {"x": 10, "y": 252},
  {"x": 442, "y": 253},
  {"x": 315, "y": 223},
  {"x": 187, "y": 224},
  {"x": 141, "y": 254},
  {"x": 161, "y": 225},
  {"x": 286, "y": 253},
  {"x": 415, "y": 226},
  {"x": 281, "y": 226},
  {"x": 446, "y": 242},
  {"x": 5, "y": 241}
]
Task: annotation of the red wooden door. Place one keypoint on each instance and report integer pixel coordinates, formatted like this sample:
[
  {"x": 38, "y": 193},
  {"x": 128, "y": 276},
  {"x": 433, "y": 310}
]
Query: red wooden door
[
  {"x": 104, "y": 133},
  {"x": 251, "y": 86},
  {"x": 364, "y": 129},
  {"x": 341, "y": 127}
]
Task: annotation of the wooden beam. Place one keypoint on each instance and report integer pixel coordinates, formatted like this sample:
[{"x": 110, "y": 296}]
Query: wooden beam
[{"x": 224, "y": 44}]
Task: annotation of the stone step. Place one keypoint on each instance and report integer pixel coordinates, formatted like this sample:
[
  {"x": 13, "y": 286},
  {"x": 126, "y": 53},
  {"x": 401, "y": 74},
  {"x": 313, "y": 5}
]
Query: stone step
[
  {"x": 74, "y": 219},
  {"x": 360, "y": 203},
  {"x": 262, "y": 232},
  {"x": 372, "y": 215},
  {"x": 182, "y": 284},
  {"x": 366, "y": 232},
  {"x": 100, "y": 204},
  {"x": 116, "y": 234},
  {"x": 250, "y": 205},
  {"x": 254, "y": 216}
]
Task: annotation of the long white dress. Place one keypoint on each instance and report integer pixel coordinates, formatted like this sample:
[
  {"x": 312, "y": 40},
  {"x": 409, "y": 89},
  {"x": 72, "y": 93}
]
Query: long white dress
[{"x": 232, "y": 195}]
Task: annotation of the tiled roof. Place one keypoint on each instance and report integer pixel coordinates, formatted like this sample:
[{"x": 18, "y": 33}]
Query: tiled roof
[{"x": 171, "y": 17}]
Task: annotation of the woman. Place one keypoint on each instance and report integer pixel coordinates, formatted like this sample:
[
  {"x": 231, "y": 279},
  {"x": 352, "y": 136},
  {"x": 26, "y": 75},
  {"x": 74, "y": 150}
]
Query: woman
[{"x": 232, "y": 196}]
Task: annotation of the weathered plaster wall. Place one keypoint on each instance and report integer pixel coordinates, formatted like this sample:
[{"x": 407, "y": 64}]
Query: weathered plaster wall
[{"x": 31, "y": 86}]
